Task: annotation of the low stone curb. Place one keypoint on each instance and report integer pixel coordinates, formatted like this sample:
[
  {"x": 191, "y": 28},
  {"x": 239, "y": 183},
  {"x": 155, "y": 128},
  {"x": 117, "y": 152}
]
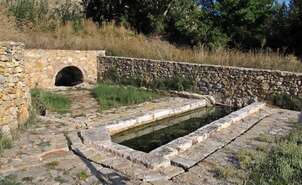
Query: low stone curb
[
  {"x": 100, "y": 137},
  {"x": 186, "y": 142},
  {"x": 155, "y": 115}
]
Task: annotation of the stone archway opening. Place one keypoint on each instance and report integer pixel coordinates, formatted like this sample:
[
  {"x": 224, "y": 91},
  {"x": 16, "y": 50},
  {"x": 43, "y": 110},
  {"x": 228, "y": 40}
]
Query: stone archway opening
[{"x": 69, "y": 76}]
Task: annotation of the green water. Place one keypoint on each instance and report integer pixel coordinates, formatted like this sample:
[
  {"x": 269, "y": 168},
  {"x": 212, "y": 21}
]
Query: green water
[{"x": 153, "y": 135}]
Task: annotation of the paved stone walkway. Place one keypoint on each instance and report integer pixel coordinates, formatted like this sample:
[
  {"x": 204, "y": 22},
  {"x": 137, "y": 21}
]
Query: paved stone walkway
[
  {"x": 277, "y": 124},
  {"x": 42, "y": 154}
]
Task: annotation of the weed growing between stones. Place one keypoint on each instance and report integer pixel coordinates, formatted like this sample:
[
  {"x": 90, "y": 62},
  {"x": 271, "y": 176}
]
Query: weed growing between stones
[
  {"x": 110, "y": 96},
  {"x": 50, "y": 101},
  {"x": 82, "y": 175}
]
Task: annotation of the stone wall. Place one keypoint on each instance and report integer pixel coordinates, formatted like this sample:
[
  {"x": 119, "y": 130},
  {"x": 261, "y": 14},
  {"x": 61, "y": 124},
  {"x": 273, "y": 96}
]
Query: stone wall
[
  {"x": 229, "y": 85},
  {"x": 14, "y": 93},
  {"x": 42, "y": 66}
]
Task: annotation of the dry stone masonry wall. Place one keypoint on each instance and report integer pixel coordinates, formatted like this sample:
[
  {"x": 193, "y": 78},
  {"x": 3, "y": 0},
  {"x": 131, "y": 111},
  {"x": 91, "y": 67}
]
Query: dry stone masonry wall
[
  {"x": 14, "y": 92},
  {"x": 230, "y": 85}
]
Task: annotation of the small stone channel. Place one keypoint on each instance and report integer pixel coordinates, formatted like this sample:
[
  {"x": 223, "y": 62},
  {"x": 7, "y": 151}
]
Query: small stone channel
[{"x": 150, "y": 136}]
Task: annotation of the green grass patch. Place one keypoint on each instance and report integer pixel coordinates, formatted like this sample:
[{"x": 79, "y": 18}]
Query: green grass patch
[
  {"x": 282, "y": 165},
  {"x": 82, "y": 175},
  {"x": 110, "y": 96},
  {"x": 51, "y": 101}
]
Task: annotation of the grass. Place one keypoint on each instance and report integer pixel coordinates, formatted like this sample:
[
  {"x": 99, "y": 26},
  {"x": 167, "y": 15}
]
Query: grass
[
  {"x": 82, "y": 175},
  {"x": 279, "y": 164},
  {"x": 282, "y": 165},
  {"x": 51, "y": 101},
  {"x": 77, "y": 33},
  {"x": 9, "y": 180},
  {"x": 110, "y": 96},
  {"x": 5, "y": 143}
]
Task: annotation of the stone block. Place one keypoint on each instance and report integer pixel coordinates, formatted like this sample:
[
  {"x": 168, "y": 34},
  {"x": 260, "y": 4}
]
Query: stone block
[
  {"x": 182, "y": 162},
  {"x": 99, "y": 134}
]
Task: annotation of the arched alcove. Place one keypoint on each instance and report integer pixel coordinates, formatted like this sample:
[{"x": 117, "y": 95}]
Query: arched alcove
[{"x": 69, "y": 76}]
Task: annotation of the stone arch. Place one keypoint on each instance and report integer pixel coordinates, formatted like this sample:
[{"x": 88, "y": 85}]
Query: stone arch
[{"x": 69, "y": 76}]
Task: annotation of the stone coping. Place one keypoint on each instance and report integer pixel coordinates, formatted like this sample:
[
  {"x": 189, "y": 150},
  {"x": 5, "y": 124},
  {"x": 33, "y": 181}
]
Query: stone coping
[
  {"x": 155, "y": 115},
  {"x": 205, "y": 65},
  {"x": 184, "y": 143},
  {"x": 100, "y": 138}
]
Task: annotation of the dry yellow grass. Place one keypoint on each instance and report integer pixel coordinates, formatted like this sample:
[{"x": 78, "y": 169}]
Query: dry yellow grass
[{"x": 122, "y": 42}]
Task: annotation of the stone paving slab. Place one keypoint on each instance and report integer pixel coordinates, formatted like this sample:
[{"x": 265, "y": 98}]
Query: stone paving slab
[
  {"x": 279, "y": 123},
  {"x": 217, "y": 140},
  {"x": 89, "y": 115},
  {"x": 41, "y": 155}
]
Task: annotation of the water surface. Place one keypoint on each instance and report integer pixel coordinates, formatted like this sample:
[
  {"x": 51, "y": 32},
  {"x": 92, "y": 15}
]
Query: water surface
[{"x": 150, "y": 136}]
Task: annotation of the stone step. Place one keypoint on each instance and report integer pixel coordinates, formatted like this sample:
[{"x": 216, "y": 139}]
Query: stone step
[{"x": 126, "y": 167}]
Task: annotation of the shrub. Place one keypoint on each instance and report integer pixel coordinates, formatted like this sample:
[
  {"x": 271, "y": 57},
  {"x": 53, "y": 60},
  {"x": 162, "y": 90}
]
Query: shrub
[{"x": 29, "y": 10}]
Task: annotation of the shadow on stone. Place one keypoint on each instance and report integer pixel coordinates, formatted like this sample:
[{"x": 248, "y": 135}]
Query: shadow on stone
[{"x": 110, "y": 178}]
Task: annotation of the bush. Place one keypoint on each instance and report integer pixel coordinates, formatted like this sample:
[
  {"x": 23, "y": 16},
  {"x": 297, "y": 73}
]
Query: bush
[{"x": 29, "y": 10}]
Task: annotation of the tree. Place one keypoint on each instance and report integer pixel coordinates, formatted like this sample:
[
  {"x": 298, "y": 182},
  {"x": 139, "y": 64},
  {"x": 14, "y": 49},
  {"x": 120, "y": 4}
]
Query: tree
[
  {"x": 243, "y": 21},
  {"x": 189, "y": 24},
  {"x": 295, "y": 20},
  {"x": 145, "y": 16}
]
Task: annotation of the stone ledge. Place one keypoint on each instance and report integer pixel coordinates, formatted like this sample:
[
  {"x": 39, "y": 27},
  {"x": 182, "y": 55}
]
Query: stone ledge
[
  {"x": 186, "y": 142},
  {"x": 100, "y": 138},
  {"x": 154, "y": 115}
]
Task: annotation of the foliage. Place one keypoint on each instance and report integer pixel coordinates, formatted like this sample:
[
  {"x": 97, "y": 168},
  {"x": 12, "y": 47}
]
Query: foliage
[
  {"x": 38, "y": 14},
  {"x": 282, "y": 165},
  {"x": 187, "y": 23},
  {"x": 243, "y": 21},
  {"x": 52, "y": 101},
  {"x": 285, "y": 28},
  {"x": 28, "y": 10},
  {"x": 110, "y": 96},
  {"x": 119, "y": 41}
]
